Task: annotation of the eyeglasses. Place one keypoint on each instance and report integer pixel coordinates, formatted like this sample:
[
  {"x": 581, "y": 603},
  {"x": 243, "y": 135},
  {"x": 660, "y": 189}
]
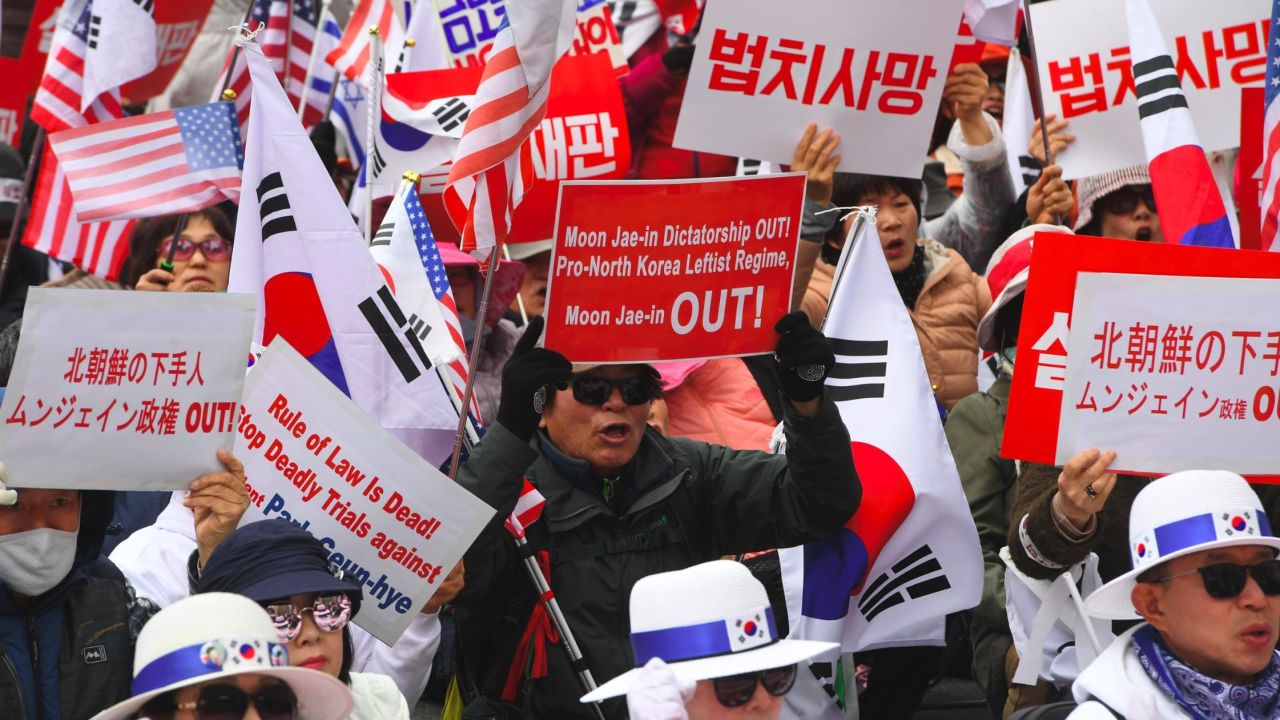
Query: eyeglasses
[
  {"x": 596, "y": 391},
  {"x": 735, "y": 690},
  {"x": 214, "y": 249},
  {"x": 331, "y": 613},
  {"x": 1125, "y": 200},
  {"x": 228, "y": 702},
  {"x": 1224, "y": 581}
]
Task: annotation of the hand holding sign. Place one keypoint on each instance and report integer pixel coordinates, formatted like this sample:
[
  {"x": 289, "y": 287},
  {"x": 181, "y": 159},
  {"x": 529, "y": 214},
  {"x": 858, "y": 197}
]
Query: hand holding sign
[
  {"x": 802, "y": 361},
  {"x": 218, "y": 500},
  {"x": 1084, "y": 485},
  {"x": 814, "y": 156},
  {"x": 525, "y": 376},
  {"x": 964, "y": 93}
]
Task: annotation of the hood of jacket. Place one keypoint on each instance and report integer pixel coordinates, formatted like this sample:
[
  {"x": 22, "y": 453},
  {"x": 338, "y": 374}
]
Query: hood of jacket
[{"x": 96, "y": 508}]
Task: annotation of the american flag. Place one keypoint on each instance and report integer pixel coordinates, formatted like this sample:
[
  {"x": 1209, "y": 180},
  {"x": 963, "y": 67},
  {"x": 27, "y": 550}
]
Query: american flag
[
  {"x": 528, "y": 509},
  {"x": 351, "y": 57},
  {"x": 58, "y": 98},
  {"x": 100, "y": 248},
  {"x": 1271, "y": 139},
  {"x": 490, "y": 174},
  {"x": 302, "y": 42},
  {"x": 274, "y": 41},
  {"x": 173, "y": 161}
]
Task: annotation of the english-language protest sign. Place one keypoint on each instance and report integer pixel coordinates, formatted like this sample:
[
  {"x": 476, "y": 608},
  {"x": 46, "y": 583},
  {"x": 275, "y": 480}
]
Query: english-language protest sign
[
  {"x": 645, "y": 271},
  {"x": 388, "y": 519},
  {"x": 1087, "y": 73},
  {"x": 874, "y": 71},
  {"x": 1154, "y": 365},
  {"x": 470, "y": 28},
  {"x": 123, "y": 391}
]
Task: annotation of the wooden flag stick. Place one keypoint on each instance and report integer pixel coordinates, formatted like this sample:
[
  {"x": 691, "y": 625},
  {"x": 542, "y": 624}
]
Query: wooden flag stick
[{"x": 474, "y": 360}]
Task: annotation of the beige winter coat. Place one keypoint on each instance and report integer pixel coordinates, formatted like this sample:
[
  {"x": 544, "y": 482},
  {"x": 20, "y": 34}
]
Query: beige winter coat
[{"x": 946, "y": 317}]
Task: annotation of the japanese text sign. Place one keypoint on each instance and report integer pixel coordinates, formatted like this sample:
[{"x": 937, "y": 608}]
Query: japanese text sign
[
  {"x": 391, "y": 522},
  {"x": 1054, "y": 353},
  {"x": 763, "y": 71},
  {"x": 1171, "y": 384},
  {"x": 470, "y": 27},
  {"x": 123, "y": 391},
  {"x": 1087, "y": 73},
  {"x": 645, "y": 271}
]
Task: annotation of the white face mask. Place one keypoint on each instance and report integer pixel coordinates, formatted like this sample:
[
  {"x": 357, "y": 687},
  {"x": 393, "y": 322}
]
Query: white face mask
[{"x": 33, "y": 562}]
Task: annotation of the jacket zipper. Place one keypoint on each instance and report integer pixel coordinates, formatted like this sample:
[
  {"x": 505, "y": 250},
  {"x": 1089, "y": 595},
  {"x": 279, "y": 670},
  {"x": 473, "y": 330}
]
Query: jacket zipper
[
  {"x": 34, "y": 640},
  {"x": 17, "y": 684}
]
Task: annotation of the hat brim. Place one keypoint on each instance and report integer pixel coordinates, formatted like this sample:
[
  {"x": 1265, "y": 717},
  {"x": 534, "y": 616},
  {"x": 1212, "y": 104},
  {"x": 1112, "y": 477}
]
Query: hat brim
[
  {"x": 320, "y": 696},
  {"x": 987, "y": 339},
  {"x": 1113, "y": 602},
  {"x": 779, "y": 654},
  {"x": 526, "y": 250},
  {"x": 301, "y": 582}
]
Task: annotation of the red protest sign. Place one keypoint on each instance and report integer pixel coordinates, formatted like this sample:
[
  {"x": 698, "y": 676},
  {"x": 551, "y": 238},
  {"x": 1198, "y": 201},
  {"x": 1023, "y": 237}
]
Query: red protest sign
[
  {"x": 672, "y": 270},
  {"x": 1038, "y": 392},
  {"x": 177, "y": 25},
  {"x": 22, "y": 64}
]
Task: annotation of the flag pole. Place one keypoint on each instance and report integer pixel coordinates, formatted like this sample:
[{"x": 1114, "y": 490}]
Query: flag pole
[
  {"x": 1037, "y": 93},
  {"x": 474, "y": 360},
  {"x": 405, "y": 54},
  {"x": 374, "y": 115},
  {"x": 235, "y": 51},
  {"x": 36, "y": 148},
  {"x": 864, "y": 214}
]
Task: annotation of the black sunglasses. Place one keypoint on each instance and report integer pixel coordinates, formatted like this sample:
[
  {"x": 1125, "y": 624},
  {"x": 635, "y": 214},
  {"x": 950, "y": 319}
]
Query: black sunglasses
[
  {"x": 228, "y": 702},
  {"x": 596, "y": 390},
  {"x": 1224, "y": 581},
  {"x": 735, "y": 690},
  {"x": 1125, "y": 200}
]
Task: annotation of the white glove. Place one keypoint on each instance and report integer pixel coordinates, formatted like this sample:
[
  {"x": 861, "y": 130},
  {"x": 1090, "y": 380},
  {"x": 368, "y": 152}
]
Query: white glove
[
  {"x": 657, "y": 694},
  {"x": 7, "y": 497}
]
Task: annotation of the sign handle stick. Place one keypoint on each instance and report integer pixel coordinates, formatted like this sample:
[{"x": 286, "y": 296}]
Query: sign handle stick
[
  {"x": 474, "y": 365},
  {"x": 524, "y": 316},
  {"x": 25, "y": 194},
  {"x": 167, "y": 263},
  {"x": 864, "y": 214},
  {"x": 1037, "y": 92},
  {"x": 374, "y": 116}
]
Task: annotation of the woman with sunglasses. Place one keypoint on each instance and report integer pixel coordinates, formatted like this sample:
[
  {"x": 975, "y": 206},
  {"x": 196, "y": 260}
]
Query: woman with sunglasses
[
  {"x": 285, "y": 570},
  {"x": 216, "y": 657},
  {"x": 707, "y": 648},
  {"x": 201, "y": 254}
]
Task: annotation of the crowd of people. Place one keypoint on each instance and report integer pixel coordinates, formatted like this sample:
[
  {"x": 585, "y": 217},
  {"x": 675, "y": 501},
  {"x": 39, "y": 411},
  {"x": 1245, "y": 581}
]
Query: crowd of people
[{"x": 663, "y": 506}]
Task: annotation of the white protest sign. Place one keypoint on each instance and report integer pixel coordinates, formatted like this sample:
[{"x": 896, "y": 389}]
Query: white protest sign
[
  {"x": 874, "y": 71},
  {"x": 1174, "y": 373},
  {"x": 123, "y": 390},
  {"x": 1087, "y": 73},
  {"x": 387, "y": 518}
]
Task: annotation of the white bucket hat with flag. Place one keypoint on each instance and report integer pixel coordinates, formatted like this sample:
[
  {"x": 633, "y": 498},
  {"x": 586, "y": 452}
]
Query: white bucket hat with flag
[
  {"x": 213, "y": 636},
  {"x": 1007, "y": 273},
  {"x": 1179, "y": 514},
  {"x": 707, "y": 621}
]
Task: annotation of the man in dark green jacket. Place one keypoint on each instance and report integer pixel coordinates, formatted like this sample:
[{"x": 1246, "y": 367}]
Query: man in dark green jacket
[{"x": 623, "y": 502}]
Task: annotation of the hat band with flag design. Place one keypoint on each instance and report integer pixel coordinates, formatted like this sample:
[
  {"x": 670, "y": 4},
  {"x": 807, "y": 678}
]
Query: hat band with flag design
[
  {"x": 208, "y": 658},
  {"x": 747, "y": 631},
  {"x": 1148, "y": 547}
]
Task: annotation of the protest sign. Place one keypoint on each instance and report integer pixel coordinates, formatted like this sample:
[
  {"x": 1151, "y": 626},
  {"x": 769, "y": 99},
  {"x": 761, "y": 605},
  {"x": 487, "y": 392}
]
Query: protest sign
[
  {"x": 1039, "y": 386},
  {"x": 470, "y": 27},
  {"x": 177, "y": 25},
  {"x": 672, "y": 270},
  {"x": 386, "y": 517},
  {"x": 24, "y": 46},
  {"x": 123, "y": 391},
  {"x": 1087, "y": 73},
  {"x": 1248, "y": 190},
  {"x": 763, "y": 71},
  {"x": 1174, "y": 385}
]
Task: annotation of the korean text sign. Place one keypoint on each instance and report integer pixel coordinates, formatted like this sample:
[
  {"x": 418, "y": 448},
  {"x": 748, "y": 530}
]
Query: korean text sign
[
  {"x": 646, "y": 271},
  {"x": 390, "y": 520},
  {"x": 124, "y": 391},
  {"x": 762, "y": 71},
  {"x": 1045, "y": 338},
  {"x": 470, "y": 27},
  {"x": 1087, "y": 73},
  {"x": 1171, "y": 384}
]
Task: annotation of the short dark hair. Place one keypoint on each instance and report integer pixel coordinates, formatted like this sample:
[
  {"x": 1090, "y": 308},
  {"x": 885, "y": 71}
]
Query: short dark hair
[
  {"x": 9, "y": 349},
  {"x": 851, "y": 187},
  {"x": 148, "y": 233}
]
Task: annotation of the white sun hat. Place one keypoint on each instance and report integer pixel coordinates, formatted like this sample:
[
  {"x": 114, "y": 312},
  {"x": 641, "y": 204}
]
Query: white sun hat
[
  {"x": 707, "y": 621},
  {"x": 213, "y": 636},
  {"x": 1007, "y": 273},
  {"x": 1180, "y": 514}
]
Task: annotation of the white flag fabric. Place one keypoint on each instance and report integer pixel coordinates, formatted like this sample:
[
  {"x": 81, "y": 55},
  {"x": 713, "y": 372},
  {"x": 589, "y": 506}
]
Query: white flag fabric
[
  {"x": 993, "y": 21},
  {"x": 121, "y": 46},
  {"x": 910, "y": 554},
  {"x": 429, "y": 51},
  {"x": 317, "y": 285},
  {"x": 1019, "y": 118}
]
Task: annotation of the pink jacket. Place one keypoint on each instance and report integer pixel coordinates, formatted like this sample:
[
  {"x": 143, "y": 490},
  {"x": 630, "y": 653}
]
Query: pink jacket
[{"x": 721, "y": 403}]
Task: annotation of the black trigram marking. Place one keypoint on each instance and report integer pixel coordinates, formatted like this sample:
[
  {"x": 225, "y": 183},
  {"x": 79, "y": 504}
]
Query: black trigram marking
[
  {"x": 452, "y": 114},
  {"x": 376, "y": 163},
  {"x": 876, "y": 351},
  {"x": 749, "y": 167},
  {"x": 383, "y": 236},
  {"x": 393, "y": 331},
  {"x": 622, "y": 13},
  {"x": 1030, "y": 169},
  {"x": 920, "y": 573},
  {"x": 95, "y": 29},
  {"x": 145, "y": 5},
  {"x": 274, "y": 202},
  {"x": 419, "y": 326},
  {"x": 1154, "y": 77},
  {"x": 824, "y": 673}
]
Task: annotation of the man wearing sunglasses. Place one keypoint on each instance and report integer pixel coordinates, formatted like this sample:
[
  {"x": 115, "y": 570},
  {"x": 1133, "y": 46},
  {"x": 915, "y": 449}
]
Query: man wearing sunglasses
[
  {"x": 623, "y": 502},
  {"x": 1206, "y": 580}
]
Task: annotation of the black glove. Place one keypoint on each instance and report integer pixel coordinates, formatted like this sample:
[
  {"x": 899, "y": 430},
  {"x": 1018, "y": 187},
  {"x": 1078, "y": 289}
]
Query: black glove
[
  {"x": 525, "y": 375},
  {"x": 678, "y": 59},
  {"x": 802, "y": 359}
]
